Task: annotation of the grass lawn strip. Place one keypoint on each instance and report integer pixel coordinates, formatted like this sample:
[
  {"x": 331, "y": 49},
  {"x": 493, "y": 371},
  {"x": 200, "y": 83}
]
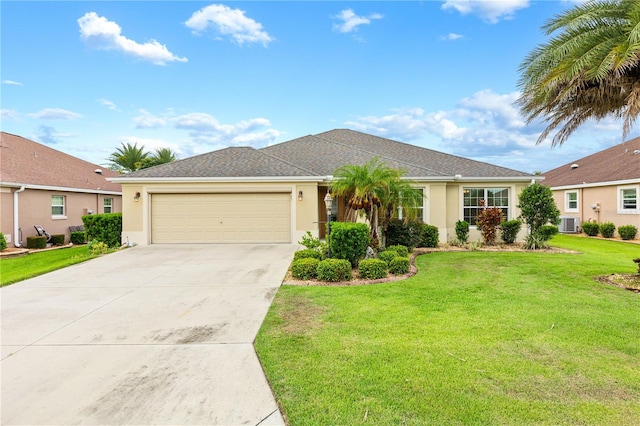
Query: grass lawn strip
[
  {"x": 14, "y": 269},
  {"x": 473, "y": 338}
]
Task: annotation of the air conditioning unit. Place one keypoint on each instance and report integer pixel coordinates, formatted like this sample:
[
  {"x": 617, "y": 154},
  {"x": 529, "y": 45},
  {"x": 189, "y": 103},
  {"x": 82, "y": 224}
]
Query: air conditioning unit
[{"x": 569, "y": 225}]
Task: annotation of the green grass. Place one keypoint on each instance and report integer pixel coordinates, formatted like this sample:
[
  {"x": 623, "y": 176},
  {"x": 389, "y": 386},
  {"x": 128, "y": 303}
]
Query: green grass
[
  {"x": 13, "y": 269},
  {"x": 473, "y": 338}
]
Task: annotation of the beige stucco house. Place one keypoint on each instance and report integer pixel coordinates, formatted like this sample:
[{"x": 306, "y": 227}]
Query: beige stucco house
[
  {"x": 42, "y": 186},
  {"x": 603, "y": 187},
  {"x": 275, "y": 194}
]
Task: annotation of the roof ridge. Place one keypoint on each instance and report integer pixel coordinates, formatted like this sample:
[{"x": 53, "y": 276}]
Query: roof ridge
[
  {"x": 375, "y": 153},
  {"x": 428, "y": 149}
]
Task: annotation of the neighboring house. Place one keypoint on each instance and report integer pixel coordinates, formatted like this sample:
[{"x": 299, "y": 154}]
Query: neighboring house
[
  {"x": 42, "y": 186},
  {"x": 603, "y": 187},
  {"x": 275, "y": 194}
]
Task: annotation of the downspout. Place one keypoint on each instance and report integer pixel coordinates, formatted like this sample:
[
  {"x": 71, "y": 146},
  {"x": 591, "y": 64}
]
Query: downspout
[{"x": 16, "y": 226}]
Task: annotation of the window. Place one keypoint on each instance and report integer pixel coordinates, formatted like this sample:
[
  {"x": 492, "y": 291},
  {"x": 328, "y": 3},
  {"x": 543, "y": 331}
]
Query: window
[
  {"x": 108, "y": 205},
  {"x": 493, "y": 197},
  {"x": 571, "y": 201},
  {"x": 418, "y": 210},
  {"x": 57, "y": 205},
  {"x": 628, "y": 200}
]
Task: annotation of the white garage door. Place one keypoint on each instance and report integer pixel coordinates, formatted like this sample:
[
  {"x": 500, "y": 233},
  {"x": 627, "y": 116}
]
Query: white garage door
[{"x": 221, "y": 218}]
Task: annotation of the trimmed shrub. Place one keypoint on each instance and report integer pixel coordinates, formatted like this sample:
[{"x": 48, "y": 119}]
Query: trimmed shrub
[
  {"x": 607, "y": 229},
  {"x": 3, "y": 242},
  {"x": 627, "y": 232},
  {"x": 106, "y": 227},
  {"x": 400, "y": 249},
  {"x": 430, "y": 236},
  {"x": 96, "y": 247},
  {"x": 372, "y": 269},
  {"x": 78, "y": 237},
  {"x": 408, "y": 234},
  {"x": 57, "y": 239},
  {"x": 334, "y": 270},
  {"x": 36, "y": 242},
  {"x": 590, "y": 228},
  {"x": 547, "y": 232},
  {"x": 305, "y": 268},
  {"x": 399, "y": 265},
  {"x": 387, "y": 256},
  {"x": 509, "y": 230},
  {"x": 306, "y": 253},
  {"x": 462, "y": 231},
  {"x": 349, "y": 241}
]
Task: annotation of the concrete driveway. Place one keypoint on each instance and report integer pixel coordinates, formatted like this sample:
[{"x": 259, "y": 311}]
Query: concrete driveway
[{"x": 148, "y": 335}]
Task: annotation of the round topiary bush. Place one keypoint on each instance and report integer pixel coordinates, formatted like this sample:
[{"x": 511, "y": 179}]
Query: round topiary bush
[
  {"x": 3, "y": 241},
  {"x": 509, "y": 230},
  {"x": 334, "y": 270},
  {"x": 387, "y": 256},
  {"x": 607, "y": 229},
  {"x": 372, "y": 269},
  {"x": 403, "y": 251},
  {"x": 627, "y": 232},
  {"x": 399, "y": 265},
  {"x": 305, "y": 268},
  {"x": 306, "y": 253},
  {"x": 590, "y": 228}
]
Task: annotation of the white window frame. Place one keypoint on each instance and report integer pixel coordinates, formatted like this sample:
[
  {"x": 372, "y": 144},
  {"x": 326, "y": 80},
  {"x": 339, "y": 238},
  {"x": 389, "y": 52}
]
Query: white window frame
[
  {"x": 419, "y": 209},
  {"x": 485, "y": 189},
  {"x": 109, "y": 206},
  {"x": 567, "y": 201},
  {"x": 621, "y": 209},
  {"x": 63, "y": 204}
]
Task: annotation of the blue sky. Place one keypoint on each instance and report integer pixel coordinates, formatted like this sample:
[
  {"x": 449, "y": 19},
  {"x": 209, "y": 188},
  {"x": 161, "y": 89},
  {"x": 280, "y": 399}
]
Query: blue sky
[{"x": 84, "y": 77}]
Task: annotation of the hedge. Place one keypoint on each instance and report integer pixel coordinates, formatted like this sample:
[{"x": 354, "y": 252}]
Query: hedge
[
  {"x": 627, "y": 232},
  {"x": 3, "y": 241},
  {"x": 607, "y": 229},
  {"x": 400, "y": 249},
  {"x": 306, "y": 253},
  {"x": 590, "y": 228},
  {"x": 372, "y": 269},
  {"x": 430, "y": 236},
  {"x": 349, "y": 241},
  {"x": 36, "y": 242},
  {"x": 57, "y": 239},
  {"x": 333, "y": 270},
  {"x": 78, "y": 237},
  {"x": 399, "y": 265},
  {"x": 509, "y": 230},
  {"x": 106, "y": 227},
  {"x": 305, "y": 268}
]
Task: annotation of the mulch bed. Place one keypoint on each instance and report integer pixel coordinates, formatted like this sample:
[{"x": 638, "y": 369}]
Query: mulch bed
[
  {"x": 289, "y": 280},
  {"x": 630, "y": 282}
]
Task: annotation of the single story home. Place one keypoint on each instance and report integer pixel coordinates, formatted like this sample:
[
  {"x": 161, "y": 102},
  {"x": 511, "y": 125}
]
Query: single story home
[
  {"x": 602, "y": 187},
  {"x": 42, "y": 186},
  {"x": 275, "y": 194}
]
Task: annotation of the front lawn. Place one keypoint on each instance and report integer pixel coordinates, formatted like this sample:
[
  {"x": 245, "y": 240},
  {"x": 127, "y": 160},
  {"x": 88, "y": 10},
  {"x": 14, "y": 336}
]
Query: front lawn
[
  {"x": 473, "y": 338},
  {"x": 13, "y": 269}
]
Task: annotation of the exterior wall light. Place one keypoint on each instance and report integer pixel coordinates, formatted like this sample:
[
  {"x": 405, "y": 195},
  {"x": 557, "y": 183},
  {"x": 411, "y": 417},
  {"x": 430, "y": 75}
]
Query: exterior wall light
[
  {"x": 300, "y": 195},
  {"x": 136, "y": 197}
]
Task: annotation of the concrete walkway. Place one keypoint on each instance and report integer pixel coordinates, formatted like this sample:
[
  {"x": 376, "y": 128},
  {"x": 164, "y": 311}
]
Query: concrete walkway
[{"x": 148, "y": 335}]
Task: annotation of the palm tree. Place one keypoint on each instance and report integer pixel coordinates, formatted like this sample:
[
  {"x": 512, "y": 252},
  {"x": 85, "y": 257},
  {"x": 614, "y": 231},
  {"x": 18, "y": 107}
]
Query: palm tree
[
  {"x": 377, "y": 190},
  {"x": 127, "y": 158},
  {"x": 590, "y": 70},
  {"x": 161, "y": 156}
]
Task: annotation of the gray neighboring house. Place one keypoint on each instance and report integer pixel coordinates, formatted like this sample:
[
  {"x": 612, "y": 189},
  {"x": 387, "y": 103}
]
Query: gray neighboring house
[{"x": 275, "y": 194}]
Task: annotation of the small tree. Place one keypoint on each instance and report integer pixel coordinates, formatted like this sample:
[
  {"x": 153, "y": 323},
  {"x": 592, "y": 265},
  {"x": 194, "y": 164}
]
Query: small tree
[{"x": 537, "y": 207}]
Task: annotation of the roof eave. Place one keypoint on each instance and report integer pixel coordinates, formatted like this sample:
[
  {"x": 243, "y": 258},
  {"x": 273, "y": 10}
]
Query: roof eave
[
  {"x": 248, "y": 179},
  {"x": 597, "y": 184},
  {"x": 60, "y": 188}
]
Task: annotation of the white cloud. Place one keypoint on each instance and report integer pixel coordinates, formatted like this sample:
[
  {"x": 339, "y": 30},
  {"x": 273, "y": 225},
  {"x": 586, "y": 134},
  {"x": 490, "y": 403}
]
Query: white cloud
[
  {"x": 229, "y": 22},
  {"x": 55, "y": 114},
  {"x": 207, "y": 130},
  {"x": 451, "y": 37},
  {"x": 489, "y": 10},
  {"x": 146, "y": 120},
  {"x": 349, "y": 21},
  {"x": 11, "y": 82},
  {"x": 8, "y": 114},
  {"x": 107, "y": 35},
  {"x": 108, "y": 104}
]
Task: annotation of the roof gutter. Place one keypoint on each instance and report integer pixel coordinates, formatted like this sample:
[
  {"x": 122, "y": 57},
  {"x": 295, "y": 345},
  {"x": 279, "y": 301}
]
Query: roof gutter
[
  {"x": 60, "y": 188},
  {"x": 242, "y": 179},
  {"x": 16, "y": 214}
]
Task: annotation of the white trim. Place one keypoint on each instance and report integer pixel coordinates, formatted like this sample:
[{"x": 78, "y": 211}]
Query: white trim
[
  {"x": 58, "y": 217},
  {"x": 60, "y": 188},
  {"x": 619, "y": 190},
  {"x": 577, "y": 201},
  {"x": 510, "y": 208},
  {"x": 596, "y": 184}
]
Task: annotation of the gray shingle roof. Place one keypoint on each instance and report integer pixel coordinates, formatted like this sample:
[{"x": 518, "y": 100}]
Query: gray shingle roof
[
  {"x": 620, "y": 162},
  {"x": 320, "y": 155}
]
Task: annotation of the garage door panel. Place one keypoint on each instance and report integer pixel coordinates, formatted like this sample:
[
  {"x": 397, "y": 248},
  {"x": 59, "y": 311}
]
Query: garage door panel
[{"x": 221, "y": 218}]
